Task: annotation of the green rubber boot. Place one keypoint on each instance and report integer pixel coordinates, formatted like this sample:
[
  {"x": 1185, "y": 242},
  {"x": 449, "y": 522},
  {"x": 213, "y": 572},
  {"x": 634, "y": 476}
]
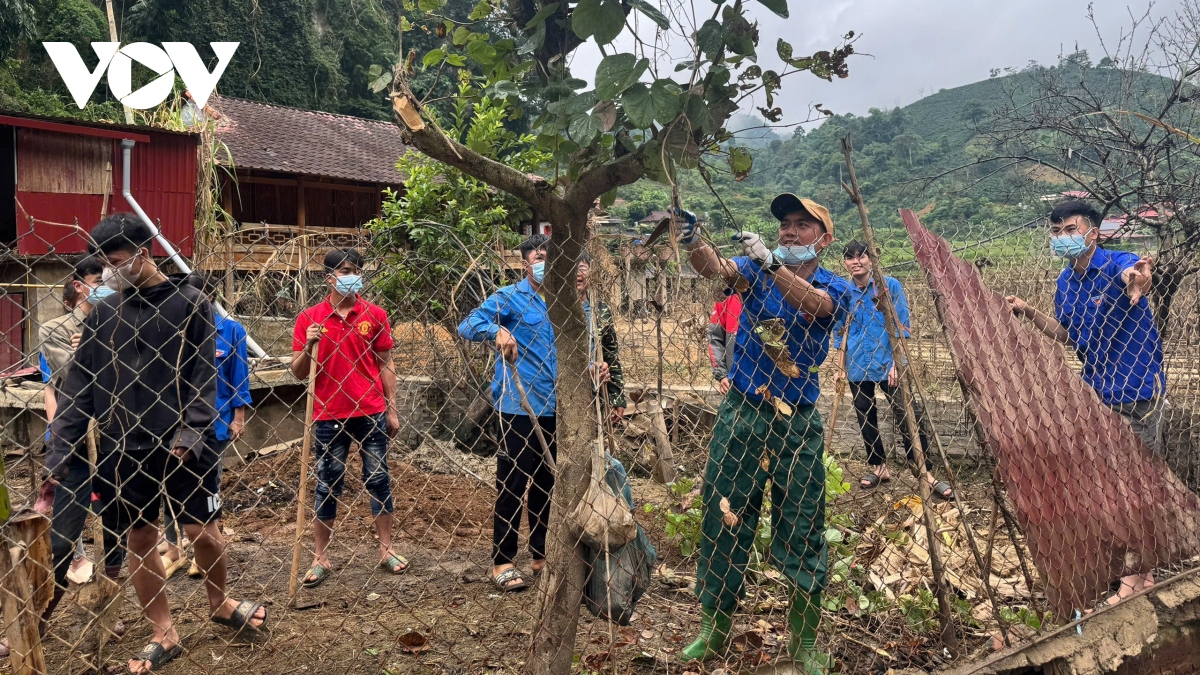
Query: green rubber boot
[
  {"x": 804, "y": 616},
  {"x": 715, "y": 626}
]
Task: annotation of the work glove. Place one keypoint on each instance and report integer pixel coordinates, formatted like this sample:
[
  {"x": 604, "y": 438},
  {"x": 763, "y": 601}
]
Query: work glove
[
  {"x": 756, "y": 250},
  {"x": 688, "y": 234}
]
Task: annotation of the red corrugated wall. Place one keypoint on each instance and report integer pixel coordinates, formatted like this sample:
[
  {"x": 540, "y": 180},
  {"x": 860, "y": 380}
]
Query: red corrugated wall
[{"x": 163, "y": 181}]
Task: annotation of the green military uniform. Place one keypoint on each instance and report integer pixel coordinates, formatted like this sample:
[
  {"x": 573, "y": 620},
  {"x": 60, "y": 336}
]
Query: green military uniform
[
  {"x": 768, "y": 428},
  {"x": 615, "y": 387}
]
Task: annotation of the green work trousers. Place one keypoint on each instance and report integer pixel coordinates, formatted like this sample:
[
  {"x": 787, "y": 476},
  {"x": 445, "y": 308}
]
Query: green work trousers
[{"x": 752, "y": 444}]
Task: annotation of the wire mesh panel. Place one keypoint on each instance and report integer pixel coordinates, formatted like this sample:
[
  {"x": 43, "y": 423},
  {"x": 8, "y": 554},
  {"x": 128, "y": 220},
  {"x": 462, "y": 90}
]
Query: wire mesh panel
[{"x": 744, "y": 454}]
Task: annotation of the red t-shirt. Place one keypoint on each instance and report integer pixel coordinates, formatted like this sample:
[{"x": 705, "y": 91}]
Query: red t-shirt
[
  {"x": 727, "y": 313},
  {"x": 348, "y": 383}
]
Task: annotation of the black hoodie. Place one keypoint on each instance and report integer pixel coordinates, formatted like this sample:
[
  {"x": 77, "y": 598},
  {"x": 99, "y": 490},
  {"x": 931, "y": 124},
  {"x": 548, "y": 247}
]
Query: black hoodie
[{"x": 145, "y": 370}]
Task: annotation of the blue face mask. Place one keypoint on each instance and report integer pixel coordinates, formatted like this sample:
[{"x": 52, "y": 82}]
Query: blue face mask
[
  {"x": 539, "y": 272},
  {"x": 1069, "y": 245},
  {"x": 796, "y": 255},
  {"x": 350, "y": 284},
  {"x": 99, "y": 293}
]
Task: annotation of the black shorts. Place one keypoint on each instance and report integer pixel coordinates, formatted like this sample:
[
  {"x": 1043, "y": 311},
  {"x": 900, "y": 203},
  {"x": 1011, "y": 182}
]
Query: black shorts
[{"x": 135, "y": 482}]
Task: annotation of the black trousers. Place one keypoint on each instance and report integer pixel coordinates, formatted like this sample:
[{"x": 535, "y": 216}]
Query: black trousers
[
  {"x": 520, "y": 466},
  {"x": 868, "y": 421}
]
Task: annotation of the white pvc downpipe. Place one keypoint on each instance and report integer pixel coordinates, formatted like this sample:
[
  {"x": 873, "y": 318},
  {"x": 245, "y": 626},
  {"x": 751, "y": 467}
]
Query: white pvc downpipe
[{"x": 126, "y": 148}]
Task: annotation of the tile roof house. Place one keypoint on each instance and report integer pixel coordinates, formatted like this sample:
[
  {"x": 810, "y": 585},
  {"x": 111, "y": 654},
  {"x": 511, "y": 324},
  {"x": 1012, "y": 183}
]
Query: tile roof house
[{"x": 306, "y": 181}]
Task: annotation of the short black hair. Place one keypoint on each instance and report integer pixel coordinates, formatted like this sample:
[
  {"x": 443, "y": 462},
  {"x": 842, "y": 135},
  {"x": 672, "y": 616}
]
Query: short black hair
[
  {"x": 70, "y": 296},
  {"x": 88, "y": 266},
  {"x": 337, "y": 256},
  {"x": 536, "y": 242},
  {"x": 854, "y": 249},
  {"x": 202, "y": 283},
  {"x": 585, "y": 257},
  {"x": 120, "y": 232},
  {"x": 1075, "y": 207}
]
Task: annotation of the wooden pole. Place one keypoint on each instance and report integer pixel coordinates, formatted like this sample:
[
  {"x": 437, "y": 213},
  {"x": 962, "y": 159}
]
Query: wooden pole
[
  {"x": 839, "y": 389},
  {"x": 904, "y": 379},
  {"x": 305, "y": 459},
  {"x": 301, "y": 218},
  {"x": 112, "y": 35},
  {"x": 26, "y": 587}
]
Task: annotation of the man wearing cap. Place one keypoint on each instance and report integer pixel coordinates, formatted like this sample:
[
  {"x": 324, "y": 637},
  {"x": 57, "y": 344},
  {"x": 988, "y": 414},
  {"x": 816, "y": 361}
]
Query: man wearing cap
[{"x": 768, "y": 427}]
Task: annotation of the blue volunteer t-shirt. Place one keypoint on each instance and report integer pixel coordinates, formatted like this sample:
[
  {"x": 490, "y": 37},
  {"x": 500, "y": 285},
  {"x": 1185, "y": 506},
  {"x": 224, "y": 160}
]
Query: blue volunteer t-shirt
[
  {"x": 807, "y": 336},
  {"x": 869, "y": 347},
  {"x": 1117, "y": 342},
  {"x": 522, "y": 312}
]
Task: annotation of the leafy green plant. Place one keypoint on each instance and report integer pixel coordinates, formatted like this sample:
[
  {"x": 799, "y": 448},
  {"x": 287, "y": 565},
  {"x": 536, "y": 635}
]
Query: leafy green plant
[
  {"x": 1024, "y": 615},
  {"x": 434, "y": 232},
  {"x": 920, "y": 610}
]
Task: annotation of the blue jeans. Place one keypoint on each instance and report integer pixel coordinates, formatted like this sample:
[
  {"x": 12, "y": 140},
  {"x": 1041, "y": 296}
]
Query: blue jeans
[{"x": 333, "y": 445}]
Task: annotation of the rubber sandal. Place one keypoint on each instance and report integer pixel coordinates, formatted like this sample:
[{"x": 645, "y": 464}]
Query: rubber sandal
[
  {"x": 172, "y": 567},
  {"x": 321, "y": 573},
  {"x": 869, "y": 481},
  {"x": 195, "y": 572},
  {"x": 393, "y": 561},
  {"x": 509, "y": 581},
  {"x": 242, "y": 614},
  {"x": 156, "y": 655},
  {"x": 943, "y": 491}
]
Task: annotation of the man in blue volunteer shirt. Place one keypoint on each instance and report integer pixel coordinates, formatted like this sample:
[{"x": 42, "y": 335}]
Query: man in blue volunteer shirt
[
  {"x": 869, "y": 366},
  {"x": 768, "y": 428},
  {"x": 515, "y": 319},
  {"x": 1100, "y": 309}
]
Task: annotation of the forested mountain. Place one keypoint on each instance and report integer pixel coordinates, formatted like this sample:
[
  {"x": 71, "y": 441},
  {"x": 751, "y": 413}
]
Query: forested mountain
[
  {"x": 894, "y": 151},
  {"x": 313, "y": 54}
]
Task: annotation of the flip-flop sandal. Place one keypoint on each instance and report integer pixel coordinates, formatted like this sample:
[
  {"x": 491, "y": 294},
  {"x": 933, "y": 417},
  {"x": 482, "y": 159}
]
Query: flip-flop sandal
[
  {"x": 320, "y": 572},
  {"x": 173, "y": 566},
  {"x": 869, "y": 481},
  {"x": 195, "y": 572},
  {"x": 510, "y": 580},
  {"x": 156, "y": 655},
  {"x": 943, "y": 491},
  {"x": 393, "y": 561},
  {"x": 242, "y": 615}
]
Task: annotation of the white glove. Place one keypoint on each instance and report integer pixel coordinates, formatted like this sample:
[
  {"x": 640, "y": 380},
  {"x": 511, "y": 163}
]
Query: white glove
[{"x": 756, "y": 250}]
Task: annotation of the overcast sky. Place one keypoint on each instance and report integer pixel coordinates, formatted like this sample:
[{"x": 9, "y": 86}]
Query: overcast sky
[{"x": 917, "y": 47}]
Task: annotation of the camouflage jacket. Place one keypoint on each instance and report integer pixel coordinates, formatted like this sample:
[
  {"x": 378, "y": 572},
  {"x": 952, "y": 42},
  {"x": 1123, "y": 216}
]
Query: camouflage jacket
[{"x": 608, "y": 347}]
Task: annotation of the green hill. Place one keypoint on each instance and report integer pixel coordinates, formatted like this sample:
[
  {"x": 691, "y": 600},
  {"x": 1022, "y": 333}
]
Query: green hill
[{"x": 894, "y": 149}]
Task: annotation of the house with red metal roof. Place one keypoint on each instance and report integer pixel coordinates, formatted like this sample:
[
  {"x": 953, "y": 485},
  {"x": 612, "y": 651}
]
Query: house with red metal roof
[{"x": 58, "y": 178}]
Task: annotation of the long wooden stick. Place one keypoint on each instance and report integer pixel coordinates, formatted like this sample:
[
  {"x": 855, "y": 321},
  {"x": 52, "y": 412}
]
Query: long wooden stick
[
  {"x": 305, "y": 459},
  {"x": 839, "y": 390},
  {"x": 905, "y": 379}
]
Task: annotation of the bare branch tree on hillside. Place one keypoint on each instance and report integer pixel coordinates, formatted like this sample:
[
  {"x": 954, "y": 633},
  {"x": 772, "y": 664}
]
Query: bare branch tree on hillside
[{"x": 1117, "y": 130}]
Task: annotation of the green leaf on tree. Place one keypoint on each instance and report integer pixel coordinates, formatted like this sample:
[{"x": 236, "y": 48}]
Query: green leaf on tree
[
  {"x": 605, "y": 19},
  {"x": 456, "y": 60},
  {"x": 639, "y": 106},
  {"x": 430, "y": 5},
  {"x": 543, "y": 14},
  {"x": 574, "y": 104},
  {"x": 617, "y": 73},
  {"x": 583, "y": 129},
  {"x": 433, "y": 57},
  {"x": 740, "y": 162},
  {"x": 481, "y": 11},
  {"x": 778, "y": 6},
  {"x": 665, "y": 94},
  {"x": 461, "y": 35},
  {"x": 481, "y": 52},
  {"x": 695, "y": 111},
  {"x": 653, "y": 13},
  {"x": 534, "y": 42},
  {"x": 710, "y": 38}
]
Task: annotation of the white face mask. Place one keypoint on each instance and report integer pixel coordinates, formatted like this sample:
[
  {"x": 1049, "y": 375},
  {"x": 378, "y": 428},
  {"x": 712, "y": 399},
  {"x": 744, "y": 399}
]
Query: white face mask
[{"x": 114, "y": 280}]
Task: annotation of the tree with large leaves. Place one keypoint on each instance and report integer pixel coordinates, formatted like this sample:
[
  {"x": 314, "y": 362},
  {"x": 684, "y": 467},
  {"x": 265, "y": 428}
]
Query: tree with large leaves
[{"x": 634, "y": 121}]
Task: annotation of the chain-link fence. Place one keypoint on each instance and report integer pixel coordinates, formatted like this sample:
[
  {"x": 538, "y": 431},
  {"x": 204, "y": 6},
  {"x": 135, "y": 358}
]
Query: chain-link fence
[{"x": 750, "y": 453}]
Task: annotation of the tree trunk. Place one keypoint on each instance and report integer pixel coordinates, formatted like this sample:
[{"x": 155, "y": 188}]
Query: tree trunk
[{"x": 561, "y": 589}]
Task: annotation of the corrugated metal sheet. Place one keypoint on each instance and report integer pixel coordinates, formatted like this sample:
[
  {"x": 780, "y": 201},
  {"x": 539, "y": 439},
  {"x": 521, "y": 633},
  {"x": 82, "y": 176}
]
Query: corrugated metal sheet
[
  {"x": 62, "y": 163},
  {"x": 163, "y": 181}
]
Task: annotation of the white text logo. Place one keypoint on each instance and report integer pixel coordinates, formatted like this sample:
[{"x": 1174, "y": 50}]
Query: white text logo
[{"x": 172, "y": 57}]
